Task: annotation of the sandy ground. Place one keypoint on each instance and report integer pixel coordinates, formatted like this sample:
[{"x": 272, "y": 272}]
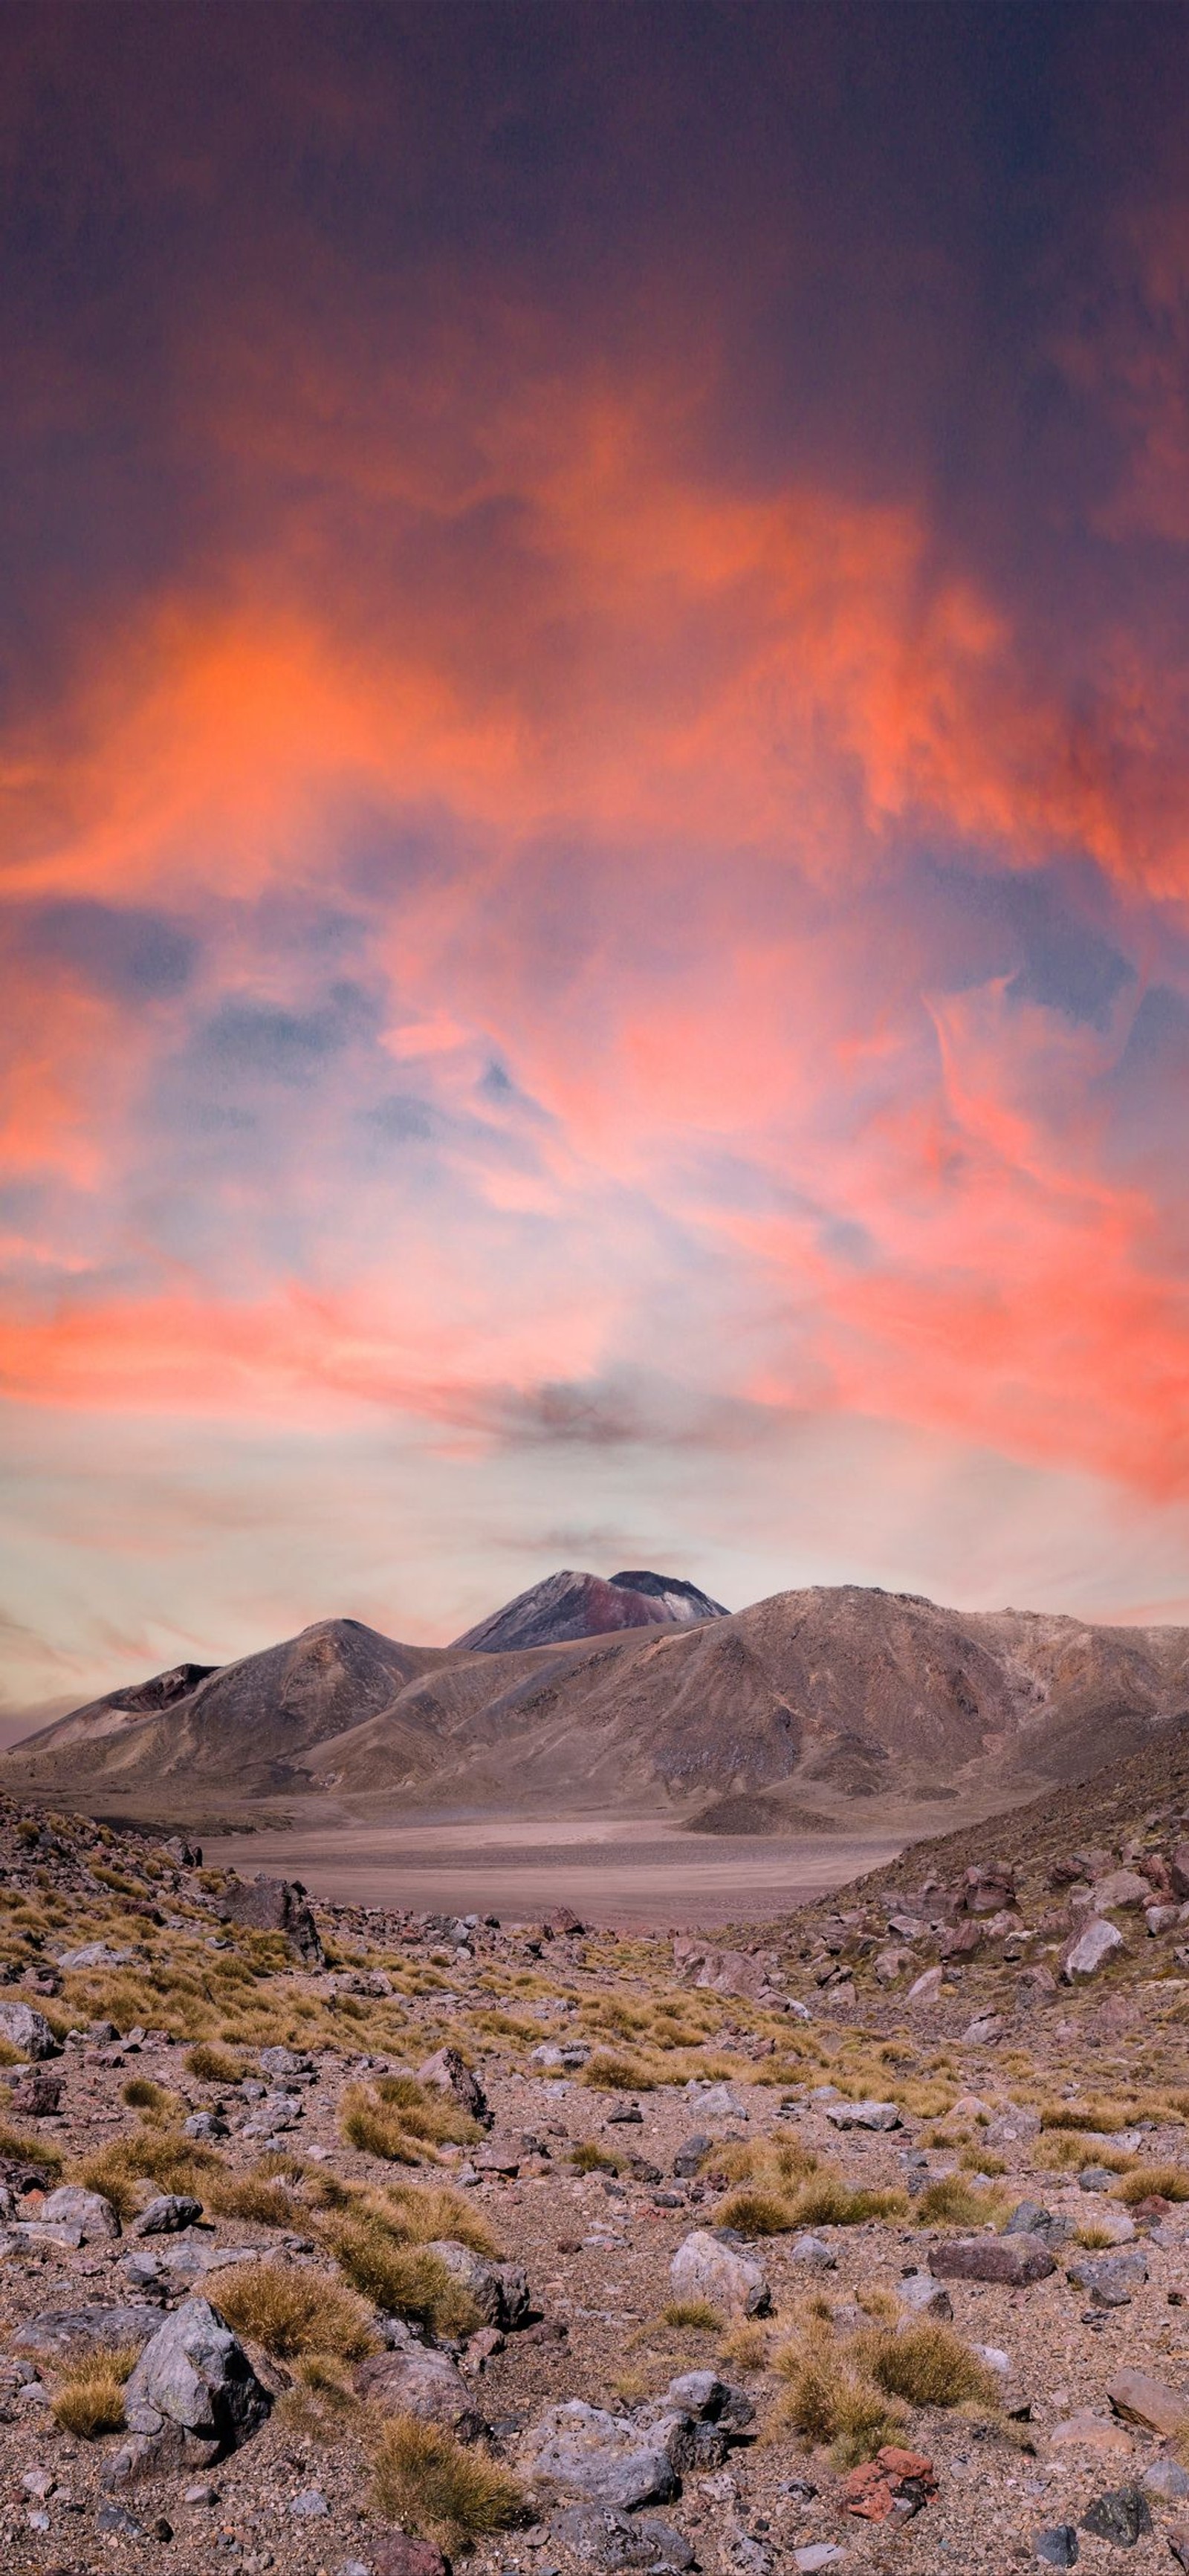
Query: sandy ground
[{"x": 624, "y": 1871}]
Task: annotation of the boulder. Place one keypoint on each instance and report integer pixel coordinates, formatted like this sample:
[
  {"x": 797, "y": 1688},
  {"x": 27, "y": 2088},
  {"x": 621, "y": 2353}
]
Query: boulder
[
  {"x": 922, "y": 2296},
  {"x": 863, "y": 2115},
  {"x": 57, "y": 2333},
  {"x": 814, "y": 2252},
  {"x": 1161, "y": 1918},
  {"x": 164, "y": 2216},
  {"x": 1017, "y": 2261},
  {"x": 983, "y": 2030},
  {"x": 926, "y": 1988},
  {"x": 1109, "y": 2279},
  {"x": 709, "y": 2400},
  {"x": 1122, "y": 2515},
  {"x": 449, "y": 2073},
  {"x": 1017, "y": 2127},
  {"x": 690, "y": 2154},
  {"x": 1034, "y": 1986},
  {"x": 27, "y": 2031},
  {"x": 1140, "y": 2399},
  {"x": 1085, "y": 2431},
  {"x": 706, "y": 2268},
  {"x": 196, "y": 2374},
  {"x": 500, "y": 2290},
  {"x": 273, "y": 1905},
  {"x": 581, "y": 2450},
  {"x": 1056, "y": 2547},
  {"x": 36, "y": 2095},
  {"x": 1088, "y": 1949},
  {"x": 1120, "y": 1888},
  {"x": 1165, "y": 2479},
  {"x": 890, "y": 1964},
  {"x": 416, "y": 2380},
  {"x": 87, "y": 2210},
  {"x": 1178, "y": 1871},
  {"x": 396, "y": 2553}
]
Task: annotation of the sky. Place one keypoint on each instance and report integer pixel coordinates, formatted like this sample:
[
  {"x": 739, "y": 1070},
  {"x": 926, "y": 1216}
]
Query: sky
[{"x": 594, "y": 811}]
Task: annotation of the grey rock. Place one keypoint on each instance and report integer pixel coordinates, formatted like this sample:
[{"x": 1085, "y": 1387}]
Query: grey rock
[
  {"x": 196, "y": 2374},
  {"x": 814, "y": 2252},
  {"x": 116, "y": 2517},
  {"x": 863, "y": 2115},
  {"x": 170, "y": 2211},
  {"x": 1109, "y": 2279},
  {"x": 581, "y": 2450},
  {"x": 924, "y": 2297},
  {"x": 27, "y": 2030},
  {"x": 704, "y": 2268},
  {"x": 1017, "y": 2127},
  {"x": 1057, "y": 2547},
  {"x": 205, "y": 2126},
  {"x": 57, "y": 2332},
  {"x": 599, "y": 2536},
  {"x": 500, "y": 2290},
  {"x": 1017, "y": 2261},
  {"x": 87, "y": 2210},
  {"x": 449, "y": 2073},
  {"x": 710, "y": 2400},
  {"x": 1088, "y": 1949},
  {"x": 309, "y": 2506},
  {"x": 690, "y": 2153},
  {"x": 273, "y": 1905},
  {"x": 1166, "y": 2480},
  {"x": 1122, "y": 2515},
  {"x": 286, "y": 2064}
]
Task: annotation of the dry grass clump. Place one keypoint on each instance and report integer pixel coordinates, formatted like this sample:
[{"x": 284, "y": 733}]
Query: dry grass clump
[
  {"x": 756, "y": 2212},
  {"x": 215, "y": 2065},
  {"x": 745, "y": 2347},
  {"x": 982, "y": 2160},
  {"x": 696, "y": 2315},
  {"x": 951, "y": 2201},
  {"x": 428, "y": 2112},
  {"x": 927, "y": 2364},
  {"x": 428, "y": 2213},
  {"x": 89, "y": 2399},
  {"x": 141, "y": 2094},
  {"x": 259, "y": 2198},
  {"x": 1146, "y": 2182},
  {"x": 1064, "y": 2150},
  {"x": 1092, "y": 2239},
  {"x": 404, "y": 2280},
  {"x": 1103, "y": 2116},
  {"x": 174, "y": 2163},
  {"x": 292, "y": 2311},
  {"x": 606, "y": 2073},
  {"x": 830, "y": 2399},
  {"x": 16, "y": 2148},
  {"x": 425, "y": 2481},
  {"x": 402, "y": 2121},
  {"x": 825, "y": 2200},
  {"x": 587, "y": 2156}
]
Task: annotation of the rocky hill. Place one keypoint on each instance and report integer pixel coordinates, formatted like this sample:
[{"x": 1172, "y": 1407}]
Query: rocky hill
[
  {"x": 809, "y": 1704},
  {"x": 568, "y": 1605}
]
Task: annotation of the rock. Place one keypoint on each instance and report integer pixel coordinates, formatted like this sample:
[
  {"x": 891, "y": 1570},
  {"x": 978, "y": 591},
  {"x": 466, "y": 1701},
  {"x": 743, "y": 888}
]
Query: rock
[
  {"x": 309, "y": 2506},
  {"x": 1109, "y": 2279},
  {"x": 273, "y": 1905},
  {"x": 1166, "y": 2480},
  {"x": 890, "y": 1964},
  {"x": 1089, "y": 2432},
  {"x": 1178, "y": 1870},
  {"x": 166, "y": 2214},
  {"x": 37, "y": 2094},
  {"x": 690, "y": 2153},
  {"x": 924, "y": 2297},
  {"x": 1121, "y": 2515},
  {"x": 1035, "y": 1985},
  {"x": 206, "y": 2126},
  {"x": 718, "y": 2101},
  {"x": 818, "y": 2554},
  {"x": 1161, "y": 1918},
  {"x": 1057, "y": 2547},
  {"x": 576, "y": 2449},
  {"x": 863, "y": 2115},
  {"x": 95, "y": 1954},
  {"x": 926, "y": 1988},
  {"x": 195, "y": 2373},
  {"x": 188, "y": 1855},
  {"x": 1017, "y": 2127},
  {"x": 813, "y": 2251},
  {"x": 57, "y": 2332},
  {"x": 964, "y": 1942},
  {"x": 27, "y": 2031},
  {"x": 1087, "y": 1950},
  {"x": 704, "y": 2268},
  {"x": 449, "y": 2073},
  {"x": 287, "y": 2066},
  {"x": 1017, "y": 2261},
  {"x": 1177, "y": 2536},
  {"x": 500, "y": 2290},
  {"x": 710, "y": 2400},
  {"x": 396, "y": 2553},
  {"x": 983, "y": 2030},
  {"x": 1140, "y": 2399},
  {"x": 600, "y": 2536},
  {"x": 87, "y": 2210},
  {"x": 116, "y": 2518},
  {"x": 1121, "y": 1888},
  {"x": 418, "y": 2381}
]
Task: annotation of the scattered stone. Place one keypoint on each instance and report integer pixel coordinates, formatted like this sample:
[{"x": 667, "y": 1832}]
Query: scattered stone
[
  {"x": 983, "y": 2030},
  {"x": 1089, "y": 2432},
  {"x": 1120, "y": 1889},
  {"x": 273, "y": 1905},
  {"x": 309, "y": 2506},
  {"x": 926, "y": 1988},
  {"x": 449, "y": 2073},
  {"x": 1109, "y": 2279},
  {"x": 196, "y": 2374},
  {"x": 706, "y": 2268},
  {"x": 59, "y": 2332},
  {"x": 600, "y": 2536},
  {"x": 70, "y": 2206},
  {"x": 924, "y": 2297},
  {"x": 813, "y": 2251},
  {"x": 36, "y": 2095},
  {"x": 690, "y": 2154},
  {"x": 1121, "y": 2515},
  {"x": 1017, "y": 2127},
  {"x": 819, "y": 2554},
  {"x": 116, "y": 2517},
  {"x": 500, "y": 2290},
  {"x": 1057, "y": 2547},
  {"x": 1166, "y": 2480},
  {"x": 170, "y": 2211},
  {"x": 863, "y": 2115},
  {"x": 396, "y": 2553}
]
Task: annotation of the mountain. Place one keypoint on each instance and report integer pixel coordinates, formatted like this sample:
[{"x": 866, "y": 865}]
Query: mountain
[
  {"x": 825, "y": 1703},
  {"x": 570, "y": 1605}
]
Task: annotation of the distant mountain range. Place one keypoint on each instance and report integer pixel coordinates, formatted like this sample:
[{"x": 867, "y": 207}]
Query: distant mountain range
[{"x": 637, "y": 1694}]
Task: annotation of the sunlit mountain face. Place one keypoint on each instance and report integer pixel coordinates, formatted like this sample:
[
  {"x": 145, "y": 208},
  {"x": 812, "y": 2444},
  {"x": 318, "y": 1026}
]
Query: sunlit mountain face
[{"x": 594, "y": 852}]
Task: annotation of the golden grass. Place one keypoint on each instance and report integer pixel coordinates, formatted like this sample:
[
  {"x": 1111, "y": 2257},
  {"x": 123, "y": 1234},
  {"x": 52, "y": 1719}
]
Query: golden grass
[
  {"x": 744, "y": 2348},
  {"x": 587, "y": 2156},
  {"x": 695, "y": 2315},
  {"x": 174, "y": 2163},
  {"x": 825, "y": 2200},
  {"x": 982, "y": 2160},
  {"x": 1065, "y": 2151},
  {"x": 830, "y": 2399},
  {"x": 606, "y": 2073},
  {"x": 258, "y": 2198},
  {"x": 293, "y": 2311},
  {"x": 951, "y": 2201},
  {"x": 1144, "y": 2182},
  {"x": 425, "y": 2481},
  {"x": 1092, "y": 2239},
  {"x": 215, "y": 2065},
  {"x": 428, "y": 2213},
  {"x": 89, "y": 2398},
  {"x": 141, "y": 2094},
  {"x": 756, "y": 2212},
  {"x": 1103, "y": 2116},
  {"x": 16, "y": 2147},
  {"x": 403, "y": 2280},
  {"x": 926, "y": 2364},
  {"x": 427, "y": 2112}
]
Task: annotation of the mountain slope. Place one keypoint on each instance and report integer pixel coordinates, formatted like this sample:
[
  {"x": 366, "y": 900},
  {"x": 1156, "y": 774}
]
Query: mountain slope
[
  {"x": 568, "y": 1605},
  {"x": 827, "y": 1701}
]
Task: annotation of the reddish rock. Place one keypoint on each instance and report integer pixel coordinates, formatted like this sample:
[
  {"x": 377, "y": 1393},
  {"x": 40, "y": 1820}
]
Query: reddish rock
[
  {"x": 1140, "y": 2399},
  {"x": 273, "y": 1905},
  {"x": 963, "y": 1942},
  {"x": 1178, "y": 1870},
  {"x": 398, "y": 2554},
  {"x": 449, "y": 2073},
  {"x": 1016, "y": 2260}
]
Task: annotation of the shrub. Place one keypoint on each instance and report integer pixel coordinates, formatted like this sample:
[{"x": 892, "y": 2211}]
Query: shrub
[
  {"x": 1102, "y": 2116},
  {"x": 755, "y": 2212},
  {"x": 427, "y": 2482},
  {"x": 927, "y": 2364},
  {"x": 744, "y": 2348},
  {"x": 292, "y": 2312},
  {"x": 825, "y": 2200},
  {"x": 376, "y": 2131},
  {"x": 215, "y": 2065},
  {"x": 587, "y": 2157},
  {"x": 427, "y": 2112},
  {"x": 426, "y": 2213},
  {"x": 89, "y": 2399},
  {"x": 141, "y": 2094}
]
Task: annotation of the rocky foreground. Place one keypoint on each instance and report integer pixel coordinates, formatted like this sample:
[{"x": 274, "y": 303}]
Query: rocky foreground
[{"x": 348, "y": 2240}]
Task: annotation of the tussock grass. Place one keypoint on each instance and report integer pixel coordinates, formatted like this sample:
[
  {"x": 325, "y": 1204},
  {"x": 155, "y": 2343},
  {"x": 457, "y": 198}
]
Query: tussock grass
[
  {"x": 174, "y": 2163},
  {"x": 89, "y": 2398},
  {"x": 17, "y": 2148},
  {"x": 694, "y": 2315},
  {"x": 427, "y": 2112},
  {"x": 259, "y": 2198},
  {"x": 1171, "y": 2182},
  {"x": 215, "y": 2065},
  {"x": 744, "y": 2348},
  {"x": 141, "y": 2094},
  {"x": 927, "y": 2365},
  {"x": 1065, "y": 2151},
  {"x": 830, "y": 2399},
  {"x": 756, "y": 2212},
  {"x": 982, "y": 2160},
  {"x": 587, "y": 2156},
  {"x": 425, "y": 2481},
  {"x": 1103, "y": 2116},
  {"x": 1092, "y": 2239},
  {"x": 293, "y": 2311},
  {"x": 825, "y": 2200},
  {"x": 428, "y": 2213},
  {"x": 404, "y": 2280},
  {"x": 951, "y": 2201},
  {"x": 606, "y": 2073}
]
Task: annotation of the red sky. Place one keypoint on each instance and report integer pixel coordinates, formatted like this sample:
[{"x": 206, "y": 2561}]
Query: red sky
[{"x": 595, "y": 841}]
